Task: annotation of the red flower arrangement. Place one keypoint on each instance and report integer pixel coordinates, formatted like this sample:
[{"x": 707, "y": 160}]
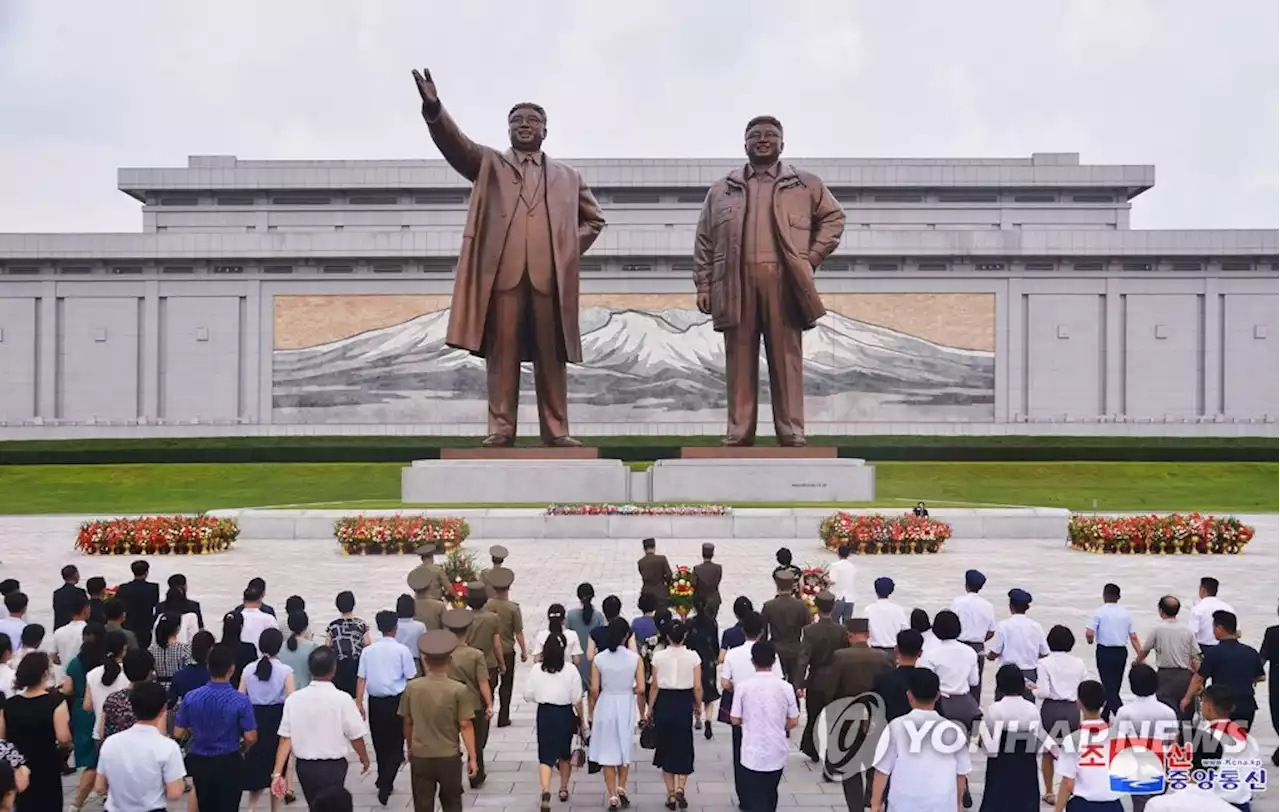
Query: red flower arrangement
[
  {"x": 157, "y": 535},
  {"x": 1175, "y": 533},
  {"x": 460, "y": 569},
  {"x": 680, "y": 591},
  {"x": 870, "y": 534},
  {"x": 389, "y": 535},
  {"x": 812, "y": 581}
]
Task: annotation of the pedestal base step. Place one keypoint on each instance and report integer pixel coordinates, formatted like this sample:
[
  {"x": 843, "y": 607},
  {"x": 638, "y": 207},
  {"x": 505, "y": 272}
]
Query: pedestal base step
[
  {"x": 763, "y": 480},
  {"x": 540, "y": 481}
]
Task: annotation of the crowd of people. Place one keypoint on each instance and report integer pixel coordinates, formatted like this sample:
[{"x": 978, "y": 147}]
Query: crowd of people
[{"x": 132, "y": 691}]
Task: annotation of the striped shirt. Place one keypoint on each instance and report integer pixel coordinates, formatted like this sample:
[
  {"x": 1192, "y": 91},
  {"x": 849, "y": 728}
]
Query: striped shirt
[{"x": 217, "y": 716}]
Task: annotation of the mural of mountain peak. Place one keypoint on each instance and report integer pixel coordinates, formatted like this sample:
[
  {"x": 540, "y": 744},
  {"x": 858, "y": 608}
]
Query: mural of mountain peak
[{"x": 364, "y": 362}]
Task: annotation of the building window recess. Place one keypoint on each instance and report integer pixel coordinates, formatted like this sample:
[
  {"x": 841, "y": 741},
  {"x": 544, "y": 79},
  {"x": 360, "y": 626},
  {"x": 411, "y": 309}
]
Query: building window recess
[
  {"x": 440, "y": 197},
  {"x": 177, "y": 269},
  {"x": 682, "y": 267},
  {"x": 691, "y": 196},
  {"x": 235, "y": 200},
  {"x": 388, "y": 268},
  {"x": 1137, "y": 266},
  {"x": 338, "y": 269},
  {"x": 897, "y": 197},
  {"x": 635, "y": 267},
  {"x": 1088, "y": 266},
  {"x": 1039, "y": 266},
  {"x": 277, "y": 269},
  {"x": 989, "y": 266},
  {"x": 967, "y": 197},
  {"x": 179, "y": 200},
  {"x": 22, "y": 270},
  {"x": 1237, "y": 265},
  {"x": 932, "y": 266},
  {"x": 883, "y": 266},
  {"x": 74, "y": 270},
  {"x": 302, "y": 199},
  {"x": 845, "y": 195},
  {"x": 1035, "y": 198},
  {"x": 1093, "y": 198},
  {"x": 1187, "y": 266},
  {"x": 590, "y": 267},
  {"x": 373, "y": 200},
  {"x": 126, "y": 270},
  {"x": 633, "y": 198},
  {"x": 437, "y": 266},
  {"x": 227, "y": 269}
]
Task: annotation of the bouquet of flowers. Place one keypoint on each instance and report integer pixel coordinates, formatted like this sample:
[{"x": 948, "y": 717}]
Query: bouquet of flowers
[
  {"x": 680, "y": 592},
  {"x": 870, "y": 534},
  {"x": 157, "y": 535},
  {"x": 1194, "y": 534},
  {"x": 812, "y": 581},
  {"x": 386, "y": 535},
  {"x": 110, "y": 592},
  {"x": 460, "y": 569}
]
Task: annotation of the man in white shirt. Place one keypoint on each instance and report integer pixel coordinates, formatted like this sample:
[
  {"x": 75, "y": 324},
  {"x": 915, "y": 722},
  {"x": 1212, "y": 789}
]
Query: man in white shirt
[
  {"x": 1146, "y": 716},
  {"x": 15, "y": 622},
  {"x": 385, "y": 668},
  {"x": 738, "y": 670},
  {"x": 842, "y": 584},
  {"x": 1019, "y": 639},
  {"x": 764, "y": 708},
  {"x": 140, "y": 768},
  {"x": 977, "y": 621},
  {"x": 1083, "y": 764},
  {"x": 256, "y": 621},
  {"x": 320, "y": 725},
  {"x": 1223, "y": 739},
  {"x": 1201, "y": 618},
  {"x": 923, "y": 759},
  {"x": 885, "y": 619},
  {"x": 67, "y": 639}
]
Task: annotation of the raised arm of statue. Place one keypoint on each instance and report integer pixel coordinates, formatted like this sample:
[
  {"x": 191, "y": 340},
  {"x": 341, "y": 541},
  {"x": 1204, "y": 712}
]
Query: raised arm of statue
[
  {"x": 463, "y": 154},
  {"x": 590, "y": 218}
]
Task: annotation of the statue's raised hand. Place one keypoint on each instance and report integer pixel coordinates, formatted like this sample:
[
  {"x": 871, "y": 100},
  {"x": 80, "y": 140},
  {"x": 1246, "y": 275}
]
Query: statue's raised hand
[{"x": 426, "y": 89}]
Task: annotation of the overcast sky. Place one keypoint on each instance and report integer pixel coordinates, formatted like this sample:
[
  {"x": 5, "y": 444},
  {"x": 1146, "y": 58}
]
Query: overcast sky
[{"x": 1189, "y": 86}]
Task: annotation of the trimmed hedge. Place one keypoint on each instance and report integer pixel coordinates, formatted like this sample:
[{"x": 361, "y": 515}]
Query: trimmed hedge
[{"x": 909, "y": 448}]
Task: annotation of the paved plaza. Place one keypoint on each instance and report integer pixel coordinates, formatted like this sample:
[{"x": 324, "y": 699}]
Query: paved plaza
[{"x": 1067, "y": 585}]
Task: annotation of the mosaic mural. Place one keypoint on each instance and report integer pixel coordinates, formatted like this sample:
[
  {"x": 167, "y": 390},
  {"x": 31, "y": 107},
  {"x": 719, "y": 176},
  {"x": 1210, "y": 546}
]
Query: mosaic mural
[{"x": 647, "y": 358}]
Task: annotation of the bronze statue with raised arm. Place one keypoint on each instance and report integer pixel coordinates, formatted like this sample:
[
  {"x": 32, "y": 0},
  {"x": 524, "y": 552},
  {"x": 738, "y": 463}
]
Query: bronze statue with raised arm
[{"x": 515, "y": 297}]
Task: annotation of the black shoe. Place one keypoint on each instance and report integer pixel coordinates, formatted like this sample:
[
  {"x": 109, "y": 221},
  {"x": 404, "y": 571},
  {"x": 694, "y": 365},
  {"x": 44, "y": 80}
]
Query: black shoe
[
  {"x": 478, "y": 781},
  {"x": 1275, "y": 758},
  {"x": 383, "y": 796},
  {"x": 504, "y": 723},
  {"x": 967, "y": 801},
  {"x": 706, "y": 731}
]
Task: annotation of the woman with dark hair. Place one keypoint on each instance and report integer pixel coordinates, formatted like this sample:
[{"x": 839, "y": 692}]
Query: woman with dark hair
[
  {"x": 1058, "y": 676},
  {"x": 92, "y": 651},
  {"x": 784, "y": 559},
  {"x": 298, "y": 647},
  {"x": 616, "y": 701},
  {"x": 409, "y": 628},
  {"x": 195, "y": 673},
  {"x": 557, "y": 690},
  {"x": 956, "y": 666},
  {"x": 555, "y": 628},
  {"x": 176, "y": 604},
  {"x": 117, "y": 711},
  {"x": 734, "y": 636},
  {"x": 701, "y": 639},
  {"x": 246, "y": 653},
  {"x": 37, "y": 723},
  {"x": 106, "y": 679},
  {"x": 168, "y": 651},
  {"x": 675, "y": 700},
  {"x": 267, "y": 685},
  {"x": 583, "y": 620},
  {"x": 1011, "y": 736},
  {"x": 920, "y": 623},
  {"x": 599, "y": 636},
  {"x": 347, "y": 635}
]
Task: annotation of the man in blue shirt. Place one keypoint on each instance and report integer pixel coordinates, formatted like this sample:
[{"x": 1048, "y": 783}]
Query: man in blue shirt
[
  {"x": 220, "y": 721},
  {"x": 385, "y": 667},
  {"x": 1111, "y": 627}
]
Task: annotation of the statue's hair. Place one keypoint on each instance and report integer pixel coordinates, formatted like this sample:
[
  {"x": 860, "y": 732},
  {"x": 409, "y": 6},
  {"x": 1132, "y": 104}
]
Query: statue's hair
[
  {"x": 537, "y": 108},
  {"x": 764, "y": 120}
]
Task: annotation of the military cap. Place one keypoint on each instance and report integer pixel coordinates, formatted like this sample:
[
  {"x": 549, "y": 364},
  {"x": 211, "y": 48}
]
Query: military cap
[
  {"x": 784, "y": 578},
  {"x": 456, "y": 620},
  {"x": 825, "y": 601},
  {"x": 430, "y": 548},
  {"x": 438, "y": 643},
  {"x": 476, "y": 588},
  {"x": 1019, "y": 596},
  {"x": 498, "y": 551},
  {"x": 884, "y": 586},
  {"x": 649, "y": 544},
  {"x": 501, "y": 578},
  {"x": 419, "y": 579},
  {"x": 708, "y": 549},
  {"x": 857, "y": 625},
  {"x": 975, "y": 579}
]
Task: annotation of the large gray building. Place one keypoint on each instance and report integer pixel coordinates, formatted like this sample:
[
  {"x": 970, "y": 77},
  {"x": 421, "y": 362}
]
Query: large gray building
[{"x": 968, "y": 296}]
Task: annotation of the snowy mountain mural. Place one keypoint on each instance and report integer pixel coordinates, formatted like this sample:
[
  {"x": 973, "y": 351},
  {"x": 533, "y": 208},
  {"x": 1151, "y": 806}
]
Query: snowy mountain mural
[{"x": 649, "y": 365}]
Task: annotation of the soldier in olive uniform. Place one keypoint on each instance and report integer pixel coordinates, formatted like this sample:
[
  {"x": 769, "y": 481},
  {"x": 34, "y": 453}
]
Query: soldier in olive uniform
[
  {"x": 436, "y": 710},
  {"x": 499, "y": 554},
  {"x": 438, "y": 583},
  {"x": 485, "y": 632},
  {"x": 655, "y": 574},
  {"x": 426, "y": 608},
  {"x": 706, "y": 580},
  {"x": 819, "y": 643},
  {"x": 466, "y": 665},
  {"x": 785, "y": 617},
  {"x": 511, "y": 632},
  {"x": 853, "y": 672}
]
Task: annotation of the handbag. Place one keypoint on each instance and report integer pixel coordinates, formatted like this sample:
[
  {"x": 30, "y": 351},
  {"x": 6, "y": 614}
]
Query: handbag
[{"x": 648, "y": 737}]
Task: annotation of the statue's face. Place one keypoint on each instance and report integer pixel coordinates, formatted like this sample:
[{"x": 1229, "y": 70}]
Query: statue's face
[
  {"x": 763, "y": 144},
  {"x": 527, "y": 128}
]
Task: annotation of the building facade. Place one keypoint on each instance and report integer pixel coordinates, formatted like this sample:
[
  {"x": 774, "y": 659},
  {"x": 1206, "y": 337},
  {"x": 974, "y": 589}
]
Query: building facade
[{"x": 968, "y": 296}]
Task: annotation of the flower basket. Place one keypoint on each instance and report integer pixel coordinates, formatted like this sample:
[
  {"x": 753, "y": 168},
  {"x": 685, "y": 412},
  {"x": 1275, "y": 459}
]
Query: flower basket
[
  {"x": 874, "y": 534},
  {"x": 637, "y": 510},
  {"x": 680, "y": 592},
  {"x": 1173, "y": 534},
  {"x": 157, "y": 535},
  {"x": 460, "y": 568},
  {"x": 812, "y": 581},
  {"x": 396, "y": 535}
]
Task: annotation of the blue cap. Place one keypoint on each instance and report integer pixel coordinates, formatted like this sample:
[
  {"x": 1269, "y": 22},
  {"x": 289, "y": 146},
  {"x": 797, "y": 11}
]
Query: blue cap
[
  {"x": 884, "y": 586},
  {"x": 1021, "y": 596},
  {"x": 974, "y": 579}
]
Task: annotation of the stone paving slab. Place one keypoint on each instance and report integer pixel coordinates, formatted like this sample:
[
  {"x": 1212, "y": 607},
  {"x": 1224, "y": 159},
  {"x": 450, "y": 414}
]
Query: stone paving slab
[{"x": 1066, "y": 585}]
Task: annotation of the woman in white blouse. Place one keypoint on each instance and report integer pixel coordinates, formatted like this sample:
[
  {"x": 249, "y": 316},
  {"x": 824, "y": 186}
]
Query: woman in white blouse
[
  {"x": 957, "y": 668},
  {"x": 106, "y": 679},
  {"x": 555, "y": 628},
  {"x": 675, "y": 700},
  {"x": 556, "y": 687},
  {"x": 1058, "y": 676},
  {"x": 1011, "y": 735},
  {"x": 176, "y": 603}
]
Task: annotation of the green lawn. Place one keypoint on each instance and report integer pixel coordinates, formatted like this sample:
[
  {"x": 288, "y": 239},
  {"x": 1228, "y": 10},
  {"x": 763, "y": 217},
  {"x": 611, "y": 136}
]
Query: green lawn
[{"x": 1237, "y": 487}]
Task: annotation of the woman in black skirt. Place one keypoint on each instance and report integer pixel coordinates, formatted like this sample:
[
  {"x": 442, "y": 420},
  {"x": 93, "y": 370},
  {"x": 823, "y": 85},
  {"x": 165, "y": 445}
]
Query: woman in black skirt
[
  {"x": 557, "y": 690},
  {"x": 1012, "y": 738},
  {"x": 267, "y": 685},
  {"x": 675, "y": 700},
  {"x": 702, "y": 634},
  {"x": 1058, "y": 676}
]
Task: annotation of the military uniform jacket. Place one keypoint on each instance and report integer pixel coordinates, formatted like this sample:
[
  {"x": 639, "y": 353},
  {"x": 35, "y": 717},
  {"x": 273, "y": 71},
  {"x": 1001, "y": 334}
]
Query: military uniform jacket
[
  {"x": 466, "y": 665},
  {"x": 510, "y": 621},
  {"x": 485, "y": 578},
  {"x": 785, "y": 618},
  {"x": 818, "y": 645},
  {"x": 706, "y": 584},
  {"x": 438, "y": 586},
  {"x": 430, "y": 611},
  {"x": 854, "y": 670},
  {"x": 484, "y": 625},
  {"x": 438, "y": 706},
  {"x": 655, "y": 576}
]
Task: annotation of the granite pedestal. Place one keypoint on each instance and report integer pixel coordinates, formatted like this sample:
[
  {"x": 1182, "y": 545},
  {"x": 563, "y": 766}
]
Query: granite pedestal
[
  {"x": 763, "y": 479},
  {"x": 509, "y": 480}
]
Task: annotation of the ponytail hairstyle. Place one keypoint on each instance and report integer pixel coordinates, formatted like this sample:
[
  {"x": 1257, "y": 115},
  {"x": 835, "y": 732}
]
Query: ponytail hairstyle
[
  {"x": 298, "y": 623},
  {"x": 93, "y": 646},
  {"x": 175, "y": 600},
  {"x": 232, "y": 626},
  {"x": 269, "y": 644},
  {"x": 555, "y": 626},
  {"x": 676, "y": 632},
  {"x": 616, "y": 633},
  {"x": 32, "y": 670},
  {"x": 116, "y": 644},
  {"x": 662, "y": 622},
  {"x": 553, "y": 654},
  {"x": 294, "y": 603},
  {"x": 168, "y": 626},
  {"x": 611, "y": 606},
  {"x": 585, "y": 593}
]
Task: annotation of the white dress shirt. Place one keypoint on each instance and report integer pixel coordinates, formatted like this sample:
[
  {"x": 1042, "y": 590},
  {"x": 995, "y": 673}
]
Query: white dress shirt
[
  {"x": 884, "y": 620},
  {"x": 1190, "y": 799},
  {"x": 321, "y": 722},
  {"x": 977, "y": 617},
  {"x": 1059, "y": 675},
  {"x": 765, "y": 705},
  {"x": 738, "y": 667},
  {"x": 1201, "y": 619},
  {"x": 930, "y": 642},
  {"x": 675, "y": 666},
  {"x": 189, "y": 625},
  {"x": 1092, "y": 782},
  {"x": 1148, "y": 717},
  {"x": 1019, "y": 640},
  {"x": 842, "y": 579},
  {"x": 955, "y": 664},
  {"x": 923, "y": 776},
  {"x": 7, "y": 675},
  {"x": 137, "y": 763},
  {"x": 67, "y": 641},
  {"x": 564, "y": 687},
  {"x": 1012, "y": 714},
  {"x": 256, "y": 622},
  {"x": 98, "y": 694},
  {"x": 572, "y": 648}
]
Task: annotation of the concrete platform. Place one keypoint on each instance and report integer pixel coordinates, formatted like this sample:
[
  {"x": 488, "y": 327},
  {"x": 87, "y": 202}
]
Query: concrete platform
[
  {"x": 758, "y": 452},
  {"x": 1048, "y": 524},
  {"x": 516, "y": 480},
  {"x": 520, "y": 453},
  {"x": 763, "y": 480}
]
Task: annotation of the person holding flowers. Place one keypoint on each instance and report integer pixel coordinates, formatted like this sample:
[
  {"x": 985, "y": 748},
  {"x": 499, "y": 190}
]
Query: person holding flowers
[{"x": 655, "y": 573}]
